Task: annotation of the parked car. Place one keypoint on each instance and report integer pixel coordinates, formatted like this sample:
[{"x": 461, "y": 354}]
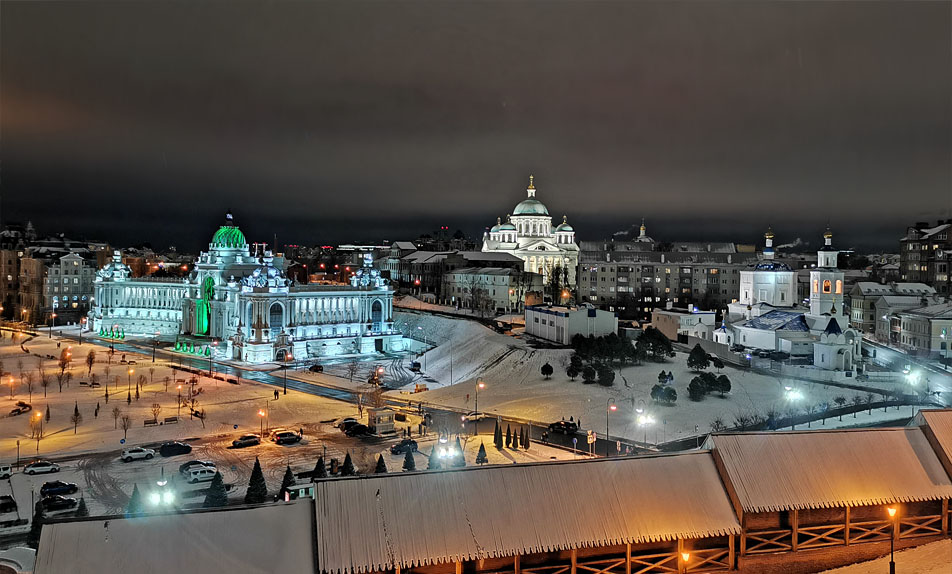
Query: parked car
[
  {"x": 200, "y": 474},
  {"x": 407, "y": 444},
  {"x": 564, "y": 427},
  {"x": 175, "y": 448},
  {"x": 6, "y": 471},
  {"x": 474, "y": 416},
  {"x": 40, "y": 467},
  {"x": 7, "y": 504},
  {"x": 345, "y": 424},
  {"x": 58, "y": 502},
  {"x": 415, "y": 366},
  {"x": 246, "y": 440},
  {"x": 285, "y": 437},
  {"x": 58, "y": 487},
  {"x": 20, "y": 410},
  {"x": 316, "y": 368},
  {"x": 358, "y": 430},
  {"x": 183, "y": 470},
  {"x": 136, "y": 453}
]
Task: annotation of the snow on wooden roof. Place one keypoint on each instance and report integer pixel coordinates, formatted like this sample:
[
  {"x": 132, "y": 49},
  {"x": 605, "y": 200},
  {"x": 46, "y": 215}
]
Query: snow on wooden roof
[
  {"x": 940, "y": 427},
  {"x": 412, "y": 519},
  {"x": 821, "y": 469},
  {"x": 277, "y": 538}
]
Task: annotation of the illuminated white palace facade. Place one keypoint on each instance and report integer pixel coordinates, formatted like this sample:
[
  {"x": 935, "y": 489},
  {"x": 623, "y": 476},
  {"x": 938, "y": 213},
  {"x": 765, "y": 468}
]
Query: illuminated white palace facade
[
  {"x": 246, "y": 308},
  {"x": 529, "y": 235}
]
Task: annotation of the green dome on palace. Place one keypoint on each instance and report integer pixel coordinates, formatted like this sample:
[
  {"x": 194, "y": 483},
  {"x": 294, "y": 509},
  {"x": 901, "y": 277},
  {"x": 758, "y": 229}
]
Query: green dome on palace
[
  {"x": 228, "y": 236},
  {"x": 530, "y": 206}
]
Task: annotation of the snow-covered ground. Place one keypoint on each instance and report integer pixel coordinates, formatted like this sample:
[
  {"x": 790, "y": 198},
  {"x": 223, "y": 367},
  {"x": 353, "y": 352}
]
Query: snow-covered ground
[
  {"x": 510, "y": 369},
  {"x": 932, "y": 558}
]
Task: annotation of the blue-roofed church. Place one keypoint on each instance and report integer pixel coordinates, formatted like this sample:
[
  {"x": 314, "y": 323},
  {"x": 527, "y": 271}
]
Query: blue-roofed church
[
  {"x": 768, "y": 317},
  {"x": 529, "y": 235}
]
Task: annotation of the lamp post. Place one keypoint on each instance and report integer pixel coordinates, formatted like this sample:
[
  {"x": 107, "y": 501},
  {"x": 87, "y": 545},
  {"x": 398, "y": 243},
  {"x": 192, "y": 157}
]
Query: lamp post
[
  {"x": 39, "y": 435},
  {"x": 210, "y": 356},
  {"x": 155, "y": 341},
  {"x": 287, "y": 357},
  {"x": 644, "y": 418},
  {"x": 82, "y": 325},
  {"x": 608, "y": 411},
  {"x": 260, "y": 422},
  {"x": 892, "y": 539},
  {"x": 52, "y": 322},
  {"x": 479, "y": 385},
  {"x": 178, "y": 405},
  {"x": 425, "y": 345},
  {"x": 129, "y": 380},
  {"x": 685, "y": 558}
]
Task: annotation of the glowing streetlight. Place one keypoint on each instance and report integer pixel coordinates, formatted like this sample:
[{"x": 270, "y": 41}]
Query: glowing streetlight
[
  {"x": 287, "y": 357},
  {"x": 892, "y": 511},
  {"x": 52, "y": 322},
  {"x": 479, "y": 385},
  {"x": 685, "y": 558},
  {"x": 261, "y": 415},
  {"x": 82, "y": 325},
  {"x": 611, "y": 407},
  {"x": 129, "y": 380}
]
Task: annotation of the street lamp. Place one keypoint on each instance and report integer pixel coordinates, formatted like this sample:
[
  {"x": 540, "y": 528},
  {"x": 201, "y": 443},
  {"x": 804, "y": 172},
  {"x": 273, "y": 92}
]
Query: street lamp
[
  {"x": 479, "y": 385},
  {"x": 52, "y": 322},
  {"x": 685, "y": 557},
  {"x": 155, "y": 341},
  {"x": 178, "y": 405},
  {"x": 39, "y": 417},
  {"x": 82, "y": 325},
  {"x": 287, "y": 357},
  {"x": 425, "y": 345},
  {"x": 210, "y": 355},
  {"x": 129, "y": 380},
  {"x": 261, "y": 414},
  {"x": 891, "y": 510},
  {"x": 611, "y": 407}
]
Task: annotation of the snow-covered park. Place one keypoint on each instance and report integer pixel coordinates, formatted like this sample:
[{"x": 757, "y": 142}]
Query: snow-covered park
[{"x": 510, "y": 369}]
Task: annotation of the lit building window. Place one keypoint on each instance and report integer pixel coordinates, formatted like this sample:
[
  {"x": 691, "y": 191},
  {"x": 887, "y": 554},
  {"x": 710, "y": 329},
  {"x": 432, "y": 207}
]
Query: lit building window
[
  {"x": 839, "y": 286},
  {"x": 827, "y": 286}
]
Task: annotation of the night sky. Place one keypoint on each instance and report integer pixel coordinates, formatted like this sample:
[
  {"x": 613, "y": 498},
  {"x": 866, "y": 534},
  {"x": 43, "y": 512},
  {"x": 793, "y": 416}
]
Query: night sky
[{"x": 356, "y": 121}]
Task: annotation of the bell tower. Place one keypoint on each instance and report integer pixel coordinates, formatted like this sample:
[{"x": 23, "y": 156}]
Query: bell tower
[{"x": 826, "y": 281}]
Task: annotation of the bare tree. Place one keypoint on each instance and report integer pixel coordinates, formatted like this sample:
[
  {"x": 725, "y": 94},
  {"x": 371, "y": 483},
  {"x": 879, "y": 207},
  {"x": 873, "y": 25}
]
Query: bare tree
[
  {"x": 142, "y": 381},
  {"x": 167, "y": 380},
  {"x": 116, "y": 413},
  {"x": 69, "y": 377},
  {"x": 352, "y": 369},
  {"x": 90, "y": 361},
  {"x": 93, "y": 379},
  {"x": 151, "y": 375},
  {"x": 60, "y": 379},
  {"x": 76, "y": 417},
  {"x": 156, "y": 409},
  {"x": 45, "y": 381},
  {"x": 28, "y": 383},
  {"x": 125, "y": 421}
]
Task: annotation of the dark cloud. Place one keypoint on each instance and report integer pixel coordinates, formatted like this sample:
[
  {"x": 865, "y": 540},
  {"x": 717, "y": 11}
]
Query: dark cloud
[{"x": 336, "y": 121}]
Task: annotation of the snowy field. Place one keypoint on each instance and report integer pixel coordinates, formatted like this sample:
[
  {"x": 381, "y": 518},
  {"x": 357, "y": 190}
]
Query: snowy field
[
  {"x": 510, "y": 369},
  {"x": 932, "y": 558}
]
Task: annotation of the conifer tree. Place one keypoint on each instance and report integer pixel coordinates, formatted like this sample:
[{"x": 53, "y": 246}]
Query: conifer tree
[
  {"x": 217, "y": 496},
  {"x": 515, "y": 439},
  {"x": 82, "y": 510},
  {"x": 408, "y": 462},
  {"x": 459, "y": 459},
  {"x": 508, "y": 437},
  {"x": 33, "y": 538},
  {"x": 347, "y": 469},
  {"x": 286, "y": 482},
  {"x": 320, "y": 469},
  {"x": 257, "y": 488},
  {"x": 526, "y": 439},
  {"x": 435, "y": 463},
  {"x": 381, "y": 466},
  {"x": 135, "y": 502},
  {"x": 497, "y": 436},
  {"x": 481, "y": 457}
]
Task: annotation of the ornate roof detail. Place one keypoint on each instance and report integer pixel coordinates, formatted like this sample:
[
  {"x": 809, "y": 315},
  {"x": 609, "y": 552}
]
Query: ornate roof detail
[
  {"x": 367, "y": 276},
  {"x": 564, "y": 226},
  {"x": 266, "y": 276},
  {"x": 115, "y": 269}
]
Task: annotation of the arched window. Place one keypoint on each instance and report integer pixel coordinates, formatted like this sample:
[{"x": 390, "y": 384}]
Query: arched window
[
  {"x": 839, "y": 286},
  {"x": 275, "y": 316},
  {"x": 816, "y": 286},
  {"x": 827, "y": 286}
]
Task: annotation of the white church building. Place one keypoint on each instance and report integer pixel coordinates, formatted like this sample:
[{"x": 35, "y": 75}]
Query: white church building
[
  {"x": 767, "y": 316},
  {"x": 244, "y": 306},
  {"x": 529, "y": 235}
]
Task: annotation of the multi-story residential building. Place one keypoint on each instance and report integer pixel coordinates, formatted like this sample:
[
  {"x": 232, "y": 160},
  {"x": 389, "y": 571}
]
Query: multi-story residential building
[
  {"x": 926, "y": 254},
  {"x": 926, "y": 331},
  {"x": 68, "y": 286},
  {"x": 633, "y": 277},
  {"x": 864, "y": 295},
  {"x": 495, "y": 289},
  {"x": 559, "y": 323}
]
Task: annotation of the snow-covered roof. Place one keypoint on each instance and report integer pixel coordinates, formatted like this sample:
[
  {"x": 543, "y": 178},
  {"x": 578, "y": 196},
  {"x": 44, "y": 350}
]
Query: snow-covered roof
[
  {"x": 275, "y": 538},
  {"x": 404, "y": 245},
  {"x": 940, "y": 311},
  {"x": 773, "y": 471},
  {"x": 939, "y": 423},
  {"x": 413, "y": 519},
  {"x": 778, "y": 321}
]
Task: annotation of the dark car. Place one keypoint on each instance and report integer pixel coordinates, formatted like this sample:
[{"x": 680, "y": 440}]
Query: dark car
[
  {"x": 285, "y": 437},
  {"x": 407, "y": 444},
  {"x": 316, "y": 368},
  {"x": 358, "y": 430},
  {"x": 58, "y": 503},
  {"x": 194, "y": 463},
  {"x": 19, "y": 411},
  {"x": 7, "y": 504},
  {"x": 564, "y": 427},
  {"x": 58, "y": 487},
  {"x": 246, "y": 440},
  {"x": 346, "y": 424},
  {"x": 175, "y": 448}
]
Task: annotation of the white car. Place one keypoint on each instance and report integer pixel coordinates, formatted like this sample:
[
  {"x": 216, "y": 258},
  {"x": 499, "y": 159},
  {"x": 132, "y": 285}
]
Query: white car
[
  {"x": 5, "y": 471},
  {"x": 474, "y": 416},
  {"x": 40, "y": 466},
  {"x": 136, "y": 453}
]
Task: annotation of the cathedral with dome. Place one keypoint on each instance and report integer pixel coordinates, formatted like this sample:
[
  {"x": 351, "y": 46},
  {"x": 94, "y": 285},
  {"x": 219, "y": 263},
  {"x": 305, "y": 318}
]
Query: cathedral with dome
[
  {"x": 528, "y": 234},
  {"x": 242, "y": 305}
]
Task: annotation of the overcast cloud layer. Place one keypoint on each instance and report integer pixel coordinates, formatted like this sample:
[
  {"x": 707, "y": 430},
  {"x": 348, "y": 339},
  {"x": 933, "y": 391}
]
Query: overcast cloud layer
[{"x": 344, "y": 121}]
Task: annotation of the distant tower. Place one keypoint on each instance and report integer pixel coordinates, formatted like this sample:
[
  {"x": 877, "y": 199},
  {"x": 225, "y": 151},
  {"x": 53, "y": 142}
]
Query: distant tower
[
  {"x": 768, "y": 244},
  {"x": 826, "y": 281},
  {"x": 642, "y": 231}
]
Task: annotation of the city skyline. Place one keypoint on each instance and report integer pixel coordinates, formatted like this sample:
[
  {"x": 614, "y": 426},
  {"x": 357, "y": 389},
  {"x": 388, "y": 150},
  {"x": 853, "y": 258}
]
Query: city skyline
[{"x": 370, "y": 122}]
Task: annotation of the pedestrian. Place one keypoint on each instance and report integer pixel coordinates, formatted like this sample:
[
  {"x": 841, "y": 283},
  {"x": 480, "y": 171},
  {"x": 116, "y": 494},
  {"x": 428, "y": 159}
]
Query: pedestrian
[
  {"x": 276, "y": 394},
  {"x": 301, "y": 432}
]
